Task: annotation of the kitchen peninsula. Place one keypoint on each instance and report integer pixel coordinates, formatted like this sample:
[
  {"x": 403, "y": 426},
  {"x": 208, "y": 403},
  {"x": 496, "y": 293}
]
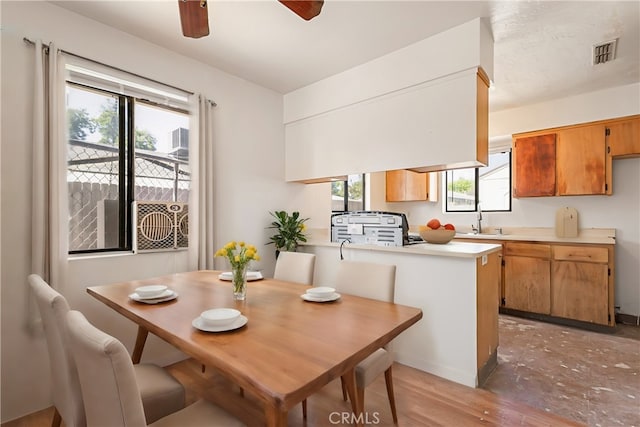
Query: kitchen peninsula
[{"x": 457, "y": 287}]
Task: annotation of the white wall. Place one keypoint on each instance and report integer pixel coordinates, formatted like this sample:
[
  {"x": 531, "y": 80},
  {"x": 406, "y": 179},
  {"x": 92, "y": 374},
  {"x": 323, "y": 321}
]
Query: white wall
[
  {"x": 620, "y": 210},
  {"x": 248, "y": 168}
]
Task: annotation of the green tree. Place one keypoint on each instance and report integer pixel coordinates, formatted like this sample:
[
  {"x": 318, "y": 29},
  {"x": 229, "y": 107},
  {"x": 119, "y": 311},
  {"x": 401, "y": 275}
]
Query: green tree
[
  {"x": 108, "y": 125},
  {"x": 337, "y": 188},
  {"x": 461, "y": 185},
  {"x": 79, "y": 123},
  {"x": 145, "y": 141},
  {"x": 355, "y": 190}
]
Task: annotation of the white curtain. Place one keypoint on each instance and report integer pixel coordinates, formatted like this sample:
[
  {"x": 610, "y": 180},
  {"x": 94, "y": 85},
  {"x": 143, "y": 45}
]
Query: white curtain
[
  {"x": 49, "y": 211},
  {"x": 201, "y": 245}
]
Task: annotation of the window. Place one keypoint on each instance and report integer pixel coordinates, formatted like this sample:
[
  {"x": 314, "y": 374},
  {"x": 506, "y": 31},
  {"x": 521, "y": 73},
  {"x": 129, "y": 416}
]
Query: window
[
  {"x": 489, "y": 186},
  {"x": 121, "y": 148},
  {"x": 350, "y": 200}
]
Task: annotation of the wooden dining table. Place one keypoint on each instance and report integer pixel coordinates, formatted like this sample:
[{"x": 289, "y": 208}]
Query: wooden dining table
[{"x": 288, "y": 349}]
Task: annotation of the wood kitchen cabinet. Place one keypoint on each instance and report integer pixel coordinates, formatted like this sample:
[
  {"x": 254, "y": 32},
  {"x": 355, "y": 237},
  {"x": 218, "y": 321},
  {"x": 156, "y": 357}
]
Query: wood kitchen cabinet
[
  {"x": 534, "y": 166},
  {"x": 527, "y": 277},
  {"x": 567, "y": 161},
  {"x": 581, "y": 160},
  {"x": 572, "y": 160},
  {"x": 404, "y": 185},
  {"x": 556, "y": 281},
  {"x": 623, "y": 137},
  {"x": 581, "y": 284}
]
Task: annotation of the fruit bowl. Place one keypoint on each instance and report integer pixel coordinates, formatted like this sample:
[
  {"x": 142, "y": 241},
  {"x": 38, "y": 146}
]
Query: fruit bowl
[{"x": 439, "y": 236}]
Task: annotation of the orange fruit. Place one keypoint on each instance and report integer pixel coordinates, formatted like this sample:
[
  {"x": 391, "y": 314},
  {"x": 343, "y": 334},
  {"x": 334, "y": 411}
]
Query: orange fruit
[
  {"x": 449, "y": 227},
  {"x": 433, "y": 224}
]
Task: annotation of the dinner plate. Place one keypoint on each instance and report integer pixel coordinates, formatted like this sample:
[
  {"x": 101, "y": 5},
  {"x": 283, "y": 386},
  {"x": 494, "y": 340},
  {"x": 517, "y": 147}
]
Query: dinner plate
[
  {"x": 311, "y": 298},
  {"x": 238, "y": 323},
  {"x": 251, "y": 276},
  {"x": 167, "y": 295}
]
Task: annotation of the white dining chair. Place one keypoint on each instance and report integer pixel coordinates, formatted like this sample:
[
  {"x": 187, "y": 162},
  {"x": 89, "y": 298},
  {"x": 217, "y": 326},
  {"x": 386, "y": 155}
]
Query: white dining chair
[
  {"x": 295, "y": 267},
  {"x": 160, "y": 392},
  {"x": 109, "y": 388},
  {"x": 375, "y": 281}
]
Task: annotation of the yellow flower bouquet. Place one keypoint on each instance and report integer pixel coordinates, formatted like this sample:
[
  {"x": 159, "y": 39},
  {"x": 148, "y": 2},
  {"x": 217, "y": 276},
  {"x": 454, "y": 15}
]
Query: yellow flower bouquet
[{"x": 239, "y": 255}]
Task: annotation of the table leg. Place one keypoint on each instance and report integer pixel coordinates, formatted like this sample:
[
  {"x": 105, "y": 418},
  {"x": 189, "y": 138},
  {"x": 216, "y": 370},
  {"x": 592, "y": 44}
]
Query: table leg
[
  {"x": 139, "y": 346},
  {"x": 349, "y": 379},
  {"x": 274, "y": 417}
]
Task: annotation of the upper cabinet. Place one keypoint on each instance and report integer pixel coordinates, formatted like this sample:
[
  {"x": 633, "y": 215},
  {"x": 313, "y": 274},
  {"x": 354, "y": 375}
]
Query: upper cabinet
[
  {"x": 406, "y": 186},
  {"x": 399, "y": 111},
  {"x": 534, "y": 171},
  {"x": 623, "y": 137},
  {"x": 572, "y": 160},
  {"x": 580, "y": 161}
]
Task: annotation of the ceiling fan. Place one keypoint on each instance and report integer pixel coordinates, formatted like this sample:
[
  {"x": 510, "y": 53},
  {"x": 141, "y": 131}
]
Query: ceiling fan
[{"x": 194, "y": 15}]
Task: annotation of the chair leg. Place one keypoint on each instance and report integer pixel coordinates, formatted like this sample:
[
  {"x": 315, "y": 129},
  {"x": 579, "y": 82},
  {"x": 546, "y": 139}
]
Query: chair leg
[
  {"x": 57, "y": 419},
  {"x": 392, "y": 400},
  {"x": 304, "y": 409},
  {"x": 344, "y": 389},
  {"x": 360, "y": 397}
]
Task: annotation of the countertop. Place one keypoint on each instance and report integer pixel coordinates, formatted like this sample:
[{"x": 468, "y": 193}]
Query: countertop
[
  {"x": 466, "y": 249},
  {"x": 451, "y": 249},
  {"x": 602, "y": 236}
]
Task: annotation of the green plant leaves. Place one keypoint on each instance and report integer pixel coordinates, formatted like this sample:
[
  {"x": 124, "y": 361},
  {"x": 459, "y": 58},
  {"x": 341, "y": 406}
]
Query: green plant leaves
[{"x": 290, "y": 230}]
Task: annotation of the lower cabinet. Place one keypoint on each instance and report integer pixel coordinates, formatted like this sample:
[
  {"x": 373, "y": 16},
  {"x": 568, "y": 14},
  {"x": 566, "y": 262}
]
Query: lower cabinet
[
  {"x": 567, "y": 281},
  {"x": 527, "y": 277},
  {"x": 580, "y": 277}
]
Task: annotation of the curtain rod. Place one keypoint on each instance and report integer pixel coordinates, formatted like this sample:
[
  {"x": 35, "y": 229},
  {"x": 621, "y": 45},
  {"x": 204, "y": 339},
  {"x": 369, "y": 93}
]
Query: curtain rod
[{"x": 46, "y": 47}]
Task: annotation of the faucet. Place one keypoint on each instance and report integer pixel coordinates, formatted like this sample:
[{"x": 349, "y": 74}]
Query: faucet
[{"x": 479, "y": 229}]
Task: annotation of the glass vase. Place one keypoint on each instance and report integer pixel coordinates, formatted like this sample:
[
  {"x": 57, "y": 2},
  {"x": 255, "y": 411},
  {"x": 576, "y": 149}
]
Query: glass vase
[{"x": 239, "y": 282}]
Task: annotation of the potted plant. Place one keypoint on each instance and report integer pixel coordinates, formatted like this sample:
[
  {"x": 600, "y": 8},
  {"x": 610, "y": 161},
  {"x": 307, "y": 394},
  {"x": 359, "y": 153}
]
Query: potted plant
[{"x": 290, "y": 231}]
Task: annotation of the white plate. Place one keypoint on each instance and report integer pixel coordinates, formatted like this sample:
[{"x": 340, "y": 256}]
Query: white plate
[
  {"x": 251, "y": 276},
  {"x": 311, "y": 298},
  {"x": 167, "y": 295},
  {"x": 238, "y": 323}
]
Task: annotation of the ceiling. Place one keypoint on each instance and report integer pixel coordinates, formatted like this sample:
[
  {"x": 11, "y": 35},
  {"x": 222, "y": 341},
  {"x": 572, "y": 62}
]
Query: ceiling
[{"x": 542, "y": 49}]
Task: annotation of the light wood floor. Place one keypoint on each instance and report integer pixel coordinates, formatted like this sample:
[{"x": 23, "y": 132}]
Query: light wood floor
[{"x": 422, "y": 400}]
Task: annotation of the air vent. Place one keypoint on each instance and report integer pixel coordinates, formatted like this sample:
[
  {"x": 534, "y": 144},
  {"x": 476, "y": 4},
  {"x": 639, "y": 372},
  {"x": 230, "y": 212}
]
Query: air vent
[{"x": 604, "y": 52}]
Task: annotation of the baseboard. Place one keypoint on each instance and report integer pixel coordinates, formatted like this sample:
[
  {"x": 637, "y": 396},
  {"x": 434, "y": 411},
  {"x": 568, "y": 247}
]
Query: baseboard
[
  {"x": 559, "y": 320},
  {"x": 627, "y": 319},
  {"x": 487, "y": 369}
]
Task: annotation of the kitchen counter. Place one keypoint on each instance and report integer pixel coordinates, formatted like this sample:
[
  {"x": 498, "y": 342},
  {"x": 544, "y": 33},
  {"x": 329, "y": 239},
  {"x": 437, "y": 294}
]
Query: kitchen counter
[
  {"x": 599, "y": 236},
  {"x": 457, "y": 287},
  {"x": 451, "y": 249}
]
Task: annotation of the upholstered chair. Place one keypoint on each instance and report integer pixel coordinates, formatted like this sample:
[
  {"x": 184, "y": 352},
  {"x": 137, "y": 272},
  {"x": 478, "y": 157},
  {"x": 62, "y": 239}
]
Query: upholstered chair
[
  {"x": 109, "y": 387},
  {"x": 375, "y": 281},
  {"x": 161, "y": 394},
  {"x": 295, "y": 267}
]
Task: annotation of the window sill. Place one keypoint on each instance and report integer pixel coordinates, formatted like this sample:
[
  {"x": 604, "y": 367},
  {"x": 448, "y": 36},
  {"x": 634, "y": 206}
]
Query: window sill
[{"x": 101, "y": 255}]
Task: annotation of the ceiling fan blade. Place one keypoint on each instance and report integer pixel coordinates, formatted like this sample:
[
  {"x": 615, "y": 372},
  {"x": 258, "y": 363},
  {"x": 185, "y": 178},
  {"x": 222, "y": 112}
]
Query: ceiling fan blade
[
  {"x": 305, "y": 9},
  {"x": 194, "y": 18}
]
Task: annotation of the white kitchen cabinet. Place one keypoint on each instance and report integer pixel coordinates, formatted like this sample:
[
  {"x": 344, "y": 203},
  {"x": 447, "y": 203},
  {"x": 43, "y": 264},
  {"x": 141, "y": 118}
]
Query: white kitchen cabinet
[
  {"x": 399, "y": 111},
  {"x": 434, "y": 124}
]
